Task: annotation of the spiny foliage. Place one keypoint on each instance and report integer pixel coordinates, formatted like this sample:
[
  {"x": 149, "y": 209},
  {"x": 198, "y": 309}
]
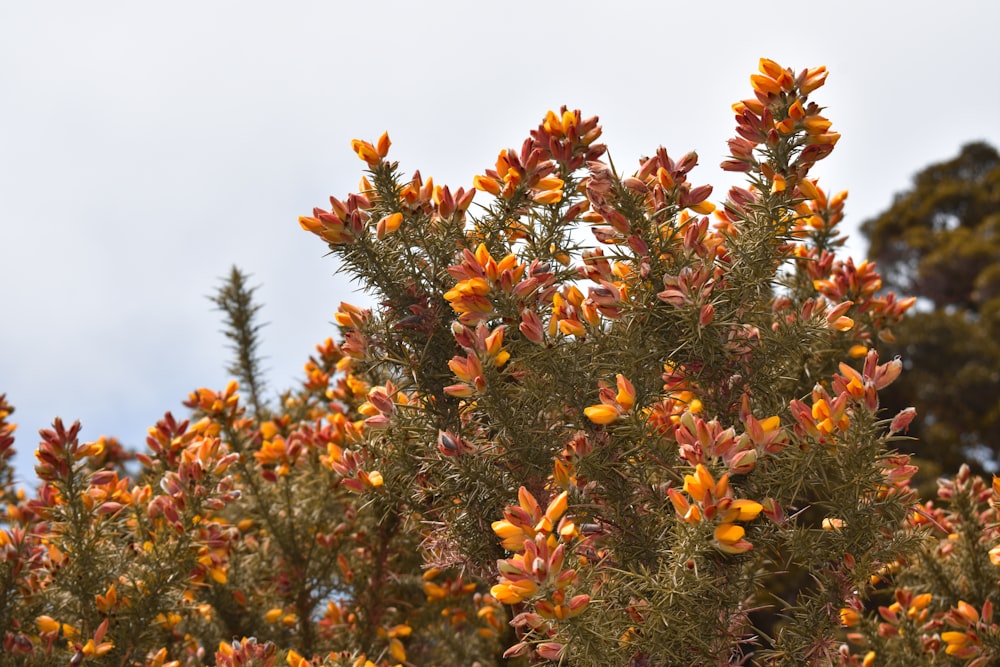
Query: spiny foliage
[{"x": 235, "y": 299}]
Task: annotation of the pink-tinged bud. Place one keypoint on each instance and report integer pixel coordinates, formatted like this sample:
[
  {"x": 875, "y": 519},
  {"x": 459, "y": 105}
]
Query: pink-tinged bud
[
  {"x": 842, "y": 323},
  {"x": 638, "y": 245},
  {"x": 887, "y": 373},
  {"x": 743, "y": 462},
  {"x": 578, "y": 604},
  {"x": 735, "y": 165},
  {"x": 170, "y": 513},
  {"x": 565, "y": 578},
  {"x": 901, "y": 422},
  {"x": 901, "y": 473},
  {"x": 889, "y": 615},
  {"x": 574, "y": 211},
  {"x": 707, "y": 315},
  {"x": 352, "y": 485},
  {"x": 773, "y": 510},
  {"x": 531, "y": 327},
  {"x": 109, "y": 507},
  {"x": 377, "y": 422},
  {"x": 838, "y": 310},
  {"x": 635, "y": 185},
  {"x": 380, "y": 399},
  {"x": 517, "y": 650},
  {"x": 741, "y": 197},
  {"x": 687, "y": 163},
  {"x": 550, "y": 650},
  {"x": 647, "y": 168},
  {"x": 539, "y": 569},
  {"x": 695, "y": 196},
  {"x": 102, "y": 477}
]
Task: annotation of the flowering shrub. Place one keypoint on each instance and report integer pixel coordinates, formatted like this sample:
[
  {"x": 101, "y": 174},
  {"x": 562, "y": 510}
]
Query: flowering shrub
[
  {"x": 939, "y": 599},
  {"x": 645, "y": 449}
]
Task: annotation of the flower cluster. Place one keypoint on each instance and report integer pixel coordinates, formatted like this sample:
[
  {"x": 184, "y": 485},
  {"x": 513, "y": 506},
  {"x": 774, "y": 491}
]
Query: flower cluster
[
  {"x": 957, "y": 569},
  {"x": 535, "y": 574}
]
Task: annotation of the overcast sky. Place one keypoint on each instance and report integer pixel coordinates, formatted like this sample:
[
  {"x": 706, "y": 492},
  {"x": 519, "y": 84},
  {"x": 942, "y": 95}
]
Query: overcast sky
[{"x": 147, "y": 147}]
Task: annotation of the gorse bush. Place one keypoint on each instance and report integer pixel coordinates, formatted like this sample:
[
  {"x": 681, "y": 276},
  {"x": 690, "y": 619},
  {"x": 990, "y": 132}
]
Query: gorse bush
[{"x": 662, "y": 446}]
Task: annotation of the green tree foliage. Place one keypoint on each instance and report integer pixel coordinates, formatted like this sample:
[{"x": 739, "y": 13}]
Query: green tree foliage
[{"x": 940, "y": 240}]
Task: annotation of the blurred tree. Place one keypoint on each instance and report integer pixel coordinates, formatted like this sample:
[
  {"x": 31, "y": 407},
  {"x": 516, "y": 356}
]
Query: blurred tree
[{"x": 940, "y": 240}]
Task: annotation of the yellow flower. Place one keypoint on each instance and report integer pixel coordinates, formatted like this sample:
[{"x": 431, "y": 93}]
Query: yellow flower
[
  {"x": 742, "y": 510},
  {"x": 396, "y": 650},
  {"x": 729, "y": 538},
  {"x": 601, "y": 414},
  {"x": 849, "y": 617},
  {"x": 512, "y": 537},
  {"x": 512, "y": 592},
  {"x": 956, "y": 641},
  {"x": 47, "y": 624}
]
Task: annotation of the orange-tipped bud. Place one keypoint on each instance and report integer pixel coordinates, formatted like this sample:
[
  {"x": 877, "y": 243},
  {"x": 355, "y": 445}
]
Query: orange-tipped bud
[{"x": 382, "y": 146}]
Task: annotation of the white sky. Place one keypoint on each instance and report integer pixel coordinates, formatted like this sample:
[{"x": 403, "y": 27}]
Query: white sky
[{"x": 146, "y": 148}]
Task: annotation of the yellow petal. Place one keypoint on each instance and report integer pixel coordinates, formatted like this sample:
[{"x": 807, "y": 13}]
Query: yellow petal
[{"x": 601, "y": 414}]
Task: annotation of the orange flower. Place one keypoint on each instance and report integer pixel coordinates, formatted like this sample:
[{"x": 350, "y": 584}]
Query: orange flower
[
  {"x": 382, "y": 147},
  {"x": 548, "y": 196},
  {"x": 366, "y": 151},
  {"x": 764, "y": 84},
  {"x": 388, "y": 225},
  {"x": 486, "y": 184},
  {"x": 811, "y": 79}
]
